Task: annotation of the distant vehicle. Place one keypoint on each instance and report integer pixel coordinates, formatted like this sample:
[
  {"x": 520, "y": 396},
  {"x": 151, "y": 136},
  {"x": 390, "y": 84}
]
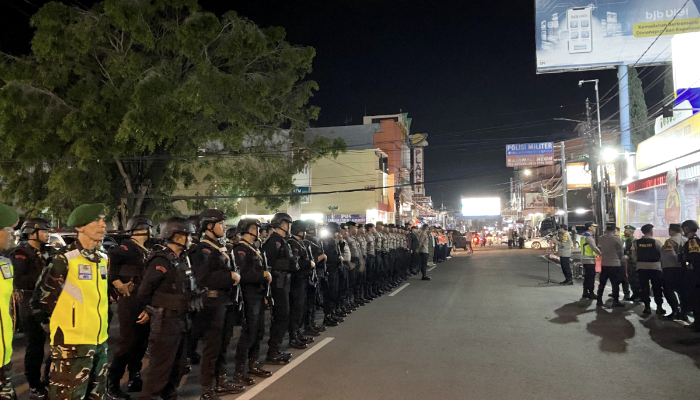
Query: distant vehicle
[
  {"x": 547, "y": 226},
  {"x": 537, "y": 243},
  {"x": 504, "y": 238},
  {"x": 475, "y": 240},
  {"x": 459, "y": 241}
]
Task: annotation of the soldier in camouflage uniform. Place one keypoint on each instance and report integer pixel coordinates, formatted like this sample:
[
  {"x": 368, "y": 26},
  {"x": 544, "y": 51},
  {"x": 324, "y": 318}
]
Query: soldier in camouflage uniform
[
  {"x": 71, "y": 298},
  {"x": 8, "y": 219}
]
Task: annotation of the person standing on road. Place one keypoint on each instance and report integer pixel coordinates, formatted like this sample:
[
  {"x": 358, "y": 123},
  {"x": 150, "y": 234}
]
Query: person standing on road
[
  {"x": 468, "y": 236},
  {"x": 691, "y": 260},
  {"x": 563, "y": 242},
  {"x": 673, "y": 274},
  {"x": 127, "y": 264},
  {"x": 297, "y": 288},
  {"x": 647, "y": 254},
  {"x": 72, "y": 298},
  {"x": 166, "y": 293},
  {"x": 8, "y": 220},
  {"x": 589, "y": 250},
  {"x": 631, "y": 279},
  {"x": 414, "y": 246},
  {"x": 425, "y": 240},
  {"x": 316, "y": 280},
  {"x": 212, "y": 269},
  {"x": 612, "y": 258},
  {"x": 255, "y": 280},
  {"x": 28, "y": 260},
  {"x": 282, "y": 262}
]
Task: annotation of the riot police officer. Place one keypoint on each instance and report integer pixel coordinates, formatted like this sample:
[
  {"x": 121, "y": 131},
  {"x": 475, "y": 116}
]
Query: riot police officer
[
  {"x": 691, "y": 257},
  {"x": 255, "y": 279},
  {"x": 8, "y": 220},
  {"x": 297, "y": 291},
  {"x": 127, "y": 263},
  {"x": 330, "y": 290},
  {"x": 28, "y": 260},
  {"x": 167, "y": 292},
  {"x": 211, "y": 265},
  {"x": 282, "y": 262},
  {"x": 319, "y": 257}
]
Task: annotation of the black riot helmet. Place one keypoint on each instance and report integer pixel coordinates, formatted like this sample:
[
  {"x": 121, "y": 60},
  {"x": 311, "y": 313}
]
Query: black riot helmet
[
  {"x": 690, "y": 225},
  {"x": 175, "y": 225},
  {"x": 277, "y": 220},
  {"x": 311, "y": 226},
  {"x": 32, "y": 225},
  {"x": 210, "y": 216},
  {"x": 245, "y": 224},
  {"x": 231, "y": 233},
  {"x": 139, "y": 223},
  {"x": 333, "y": 227},
  {"x": 298, "y": 227}
]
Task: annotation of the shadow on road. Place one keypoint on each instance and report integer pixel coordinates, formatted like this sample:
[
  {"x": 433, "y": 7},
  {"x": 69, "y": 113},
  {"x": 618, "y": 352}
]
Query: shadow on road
[
  {"x": 613, "y": 328},
  {"x": 672, "y": 336},
  {"x": 569, "y": 313}
]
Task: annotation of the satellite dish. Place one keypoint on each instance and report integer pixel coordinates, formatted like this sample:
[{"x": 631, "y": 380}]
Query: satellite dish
[{"x": 418, "y": 140}]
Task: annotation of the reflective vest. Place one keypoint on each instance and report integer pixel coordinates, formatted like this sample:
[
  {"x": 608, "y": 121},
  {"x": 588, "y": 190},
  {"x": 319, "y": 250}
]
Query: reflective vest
[
  {"x": 586, "y": 250},
  {"x": 80, "y": 315},
  {"x": 6, "y": 326}
]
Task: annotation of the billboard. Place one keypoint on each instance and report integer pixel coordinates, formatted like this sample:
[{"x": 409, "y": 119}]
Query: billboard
[
  {"x": 585, "y": 34},
  {"x": 578, "y": 175},
  {"x": 418, "y": 188},
  {"x": 343, "y": 218},
  {"x": 536, "y": 200},
  {"x": 481, "y": 206},
  {"x": 686, "y": 72},
  {"x": 529, "y": 154}
]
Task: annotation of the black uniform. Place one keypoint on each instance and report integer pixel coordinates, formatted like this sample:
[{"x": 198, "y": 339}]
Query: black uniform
[
  {"x": 312, "y": 284},
  {"x": 253, "y": 285},
  {"x": 167, "y": 287},
  {"x": 297, "y": 294},
  {"x": 28, "y": 263},
  {"x": 127, "y": 263},
  {"x": 691, "y": 255},
  {"x": 414, "y": 245},
  {"x": 330, "y": 289},
  {"x": 212, "y": 270},
  {"x": 282, "y": 262}
]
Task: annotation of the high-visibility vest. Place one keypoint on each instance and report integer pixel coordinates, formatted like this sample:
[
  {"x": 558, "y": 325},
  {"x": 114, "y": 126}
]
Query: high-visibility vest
[
  {"x": 6, "y": 326},
  {"x": 80, "y": 315}
]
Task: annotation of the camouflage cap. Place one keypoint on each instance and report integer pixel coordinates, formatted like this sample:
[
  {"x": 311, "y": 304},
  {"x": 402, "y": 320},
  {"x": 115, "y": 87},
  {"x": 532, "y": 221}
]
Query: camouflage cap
[
  {"x": 86, "y": 213},
  {"x": 8, "y": 216}
]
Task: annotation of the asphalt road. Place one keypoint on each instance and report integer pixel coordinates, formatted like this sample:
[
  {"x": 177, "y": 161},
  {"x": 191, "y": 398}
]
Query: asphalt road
[{"x": 484, "y": 329}]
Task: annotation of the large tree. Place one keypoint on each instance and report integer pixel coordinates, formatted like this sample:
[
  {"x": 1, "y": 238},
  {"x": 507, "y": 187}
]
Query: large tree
[
  {"x": 128, "y": 101},
  {"x": 640, "y": 127}
]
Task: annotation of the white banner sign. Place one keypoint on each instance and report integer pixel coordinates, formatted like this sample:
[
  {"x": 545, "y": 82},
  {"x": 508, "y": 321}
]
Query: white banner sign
[{"x": 535, "y": 200}]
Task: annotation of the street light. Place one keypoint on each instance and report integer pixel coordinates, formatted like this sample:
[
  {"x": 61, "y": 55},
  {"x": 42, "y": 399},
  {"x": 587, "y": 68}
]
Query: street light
[
  {"x": 580, "y": 211},
  {"x": 527, "y": 172},
  {"x": 609, "y": 154}
]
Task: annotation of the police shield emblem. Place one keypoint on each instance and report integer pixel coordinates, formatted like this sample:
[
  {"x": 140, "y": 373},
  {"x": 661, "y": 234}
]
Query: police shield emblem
[{"x": 6, "y": 271}]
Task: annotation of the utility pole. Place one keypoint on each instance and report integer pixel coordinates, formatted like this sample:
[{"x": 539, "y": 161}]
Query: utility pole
[
  {"x": 564, "y": 183},
  {"x": 593, "y": 166}
]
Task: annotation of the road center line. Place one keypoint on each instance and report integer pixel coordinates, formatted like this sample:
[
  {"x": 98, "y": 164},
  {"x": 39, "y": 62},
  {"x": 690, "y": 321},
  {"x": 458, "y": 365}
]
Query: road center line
[
  {"x": 398, "y": 290},
  {"x": 249, "y": 394},
  {"x": 432, "y": 268}
]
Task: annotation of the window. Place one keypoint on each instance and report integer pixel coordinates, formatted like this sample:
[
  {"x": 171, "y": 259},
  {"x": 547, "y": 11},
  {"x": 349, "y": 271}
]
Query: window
[{"x": 384, "y": 164}]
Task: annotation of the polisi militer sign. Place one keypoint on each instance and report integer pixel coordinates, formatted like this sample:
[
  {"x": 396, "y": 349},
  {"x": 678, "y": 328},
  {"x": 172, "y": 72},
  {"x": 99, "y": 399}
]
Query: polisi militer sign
[{"x": 529, "y": 154}]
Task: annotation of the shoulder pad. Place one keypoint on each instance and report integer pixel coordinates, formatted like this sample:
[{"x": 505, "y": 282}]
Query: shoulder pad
[
  {"x": 72, "y": 254},
  {"x": 163, "y": 254}
]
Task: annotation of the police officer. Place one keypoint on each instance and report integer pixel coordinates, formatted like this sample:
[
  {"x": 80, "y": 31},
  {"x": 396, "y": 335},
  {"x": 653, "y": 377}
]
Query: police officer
[
  {"x": 330, "y": 291},
  {"x": 255, "y": 279},
  {"x": 297, "y": 291},
  {"x": 589, "y": 250},
  {"x": 319, "y": 257},
  {"x": 371, "y": 261},
  {"x": 282, "y": 262},
  {"x": 28, "y": 260},
  {"x": 167, "y": 292},
  {"x": 674, "y": 274},
  {"x": 78, "y": 329},
  {"x": 211, "y": 265},
  {"x": 647, "y": 254},
  {"x": 691, "y": 259},
  {"x": 355, "y": 262},
  {"x": 631, "y": 279},
  {"x": 360, "y": 235},
  {"x": 8, "y": 220},
  {"x": 127, "y": 264},
  {"x": 343, "y": 272}
]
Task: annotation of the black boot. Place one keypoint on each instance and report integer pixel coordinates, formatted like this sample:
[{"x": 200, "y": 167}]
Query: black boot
[
  {"x": 275, "y": 358},
  {"x": 114, "y": 391},
  {"x": 209, "y": 395},
  {"x": 295, "y": 343},
  {"x": 241, "y": 378},
  {"x": 660, "y": 310},
  {"x": 304, "y": 339},
  {"x": 38, "y": 393},
  {"x": 254, "y": 369},
  {"x": 225, "y": 386},
  {"x": 647, "y": 309},
  {"x": 329, "y": 321},
  {"x": 135, "y": 382}
]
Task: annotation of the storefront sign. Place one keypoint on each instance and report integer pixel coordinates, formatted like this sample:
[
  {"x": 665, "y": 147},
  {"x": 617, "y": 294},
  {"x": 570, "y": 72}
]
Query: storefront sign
[
  {"x": 679, "y": 140},
  {"x": 578, "y": 176},
  {"x": 535, "y": 200},
  {"x": 425, "y": 200},
  {"x": 529, "y": 154},
  {"x": 342, "y": 218},
  {"x": 418, "y": 167},
  {"x": 509, "y": 213},
  {"x": 672, "y": 213}
]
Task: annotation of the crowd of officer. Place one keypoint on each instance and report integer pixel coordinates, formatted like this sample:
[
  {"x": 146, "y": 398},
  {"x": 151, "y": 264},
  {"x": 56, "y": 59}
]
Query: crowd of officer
[
  {"x": 191, "y": 284},
  {"x": 646, "y": 268}
]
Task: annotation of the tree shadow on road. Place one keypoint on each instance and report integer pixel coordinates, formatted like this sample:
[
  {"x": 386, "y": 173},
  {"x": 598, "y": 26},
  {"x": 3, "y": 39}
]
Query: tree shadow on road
[
  {"x": 569, "y": 313},
  {"x": 672, "y": 336},
  {"x": 613, "y": 328}
]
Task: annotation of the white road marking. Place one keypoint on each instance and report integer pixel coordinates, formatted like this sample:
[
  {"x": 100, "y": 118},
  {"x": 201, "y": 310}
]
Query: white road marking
[
  {"x": 398, "y": 290},
  {"x": 259, "y": 387},
  {"x": 432, "y": 268}
]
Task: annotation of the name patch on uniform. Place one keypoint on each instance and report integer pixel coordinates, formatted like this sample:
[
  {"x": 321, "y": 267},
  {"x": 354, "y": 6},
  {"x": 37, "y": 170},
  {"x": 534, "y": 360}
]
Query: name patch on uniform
[
  {"x": 103, "y": 271},
  {"x": 6, "y": 271},
  {"x": 84, "y": 272}
]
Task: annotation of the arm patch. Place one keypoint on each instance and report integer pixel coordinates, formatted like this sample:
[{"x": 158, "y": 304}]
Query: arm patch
[{"x": 161, "y": 269}]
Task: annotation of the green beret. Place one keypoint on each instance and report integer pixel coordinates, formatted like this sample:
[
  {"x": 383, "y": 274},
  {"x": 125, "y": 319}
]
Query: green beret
[
  {"x": 8, "y": 216},
  {"x": 86, "y": 213},
  {"x": 630, "y": 227}
]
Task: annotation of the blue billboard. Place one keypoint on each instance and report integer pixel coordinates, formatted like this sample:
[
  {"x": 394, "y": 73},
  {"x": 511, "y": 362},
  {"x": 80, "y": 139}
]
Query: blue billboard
[{"x": 585, "y": 34}]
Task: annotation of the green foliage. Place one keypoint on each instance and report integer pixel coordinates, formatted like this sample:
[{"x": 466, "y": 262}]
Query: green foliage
[
  {"x": 641, "y": 128},
  {"x": 130, "y": 101},
  {"x": 669, "y": 89}
]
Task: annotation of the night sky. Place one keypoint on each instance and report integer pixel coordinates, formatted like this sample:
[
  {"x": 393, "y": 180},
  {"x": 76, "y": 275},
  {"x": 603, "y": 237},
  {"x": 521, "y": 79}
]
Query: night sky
[{"x": 463, "y": 70}]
